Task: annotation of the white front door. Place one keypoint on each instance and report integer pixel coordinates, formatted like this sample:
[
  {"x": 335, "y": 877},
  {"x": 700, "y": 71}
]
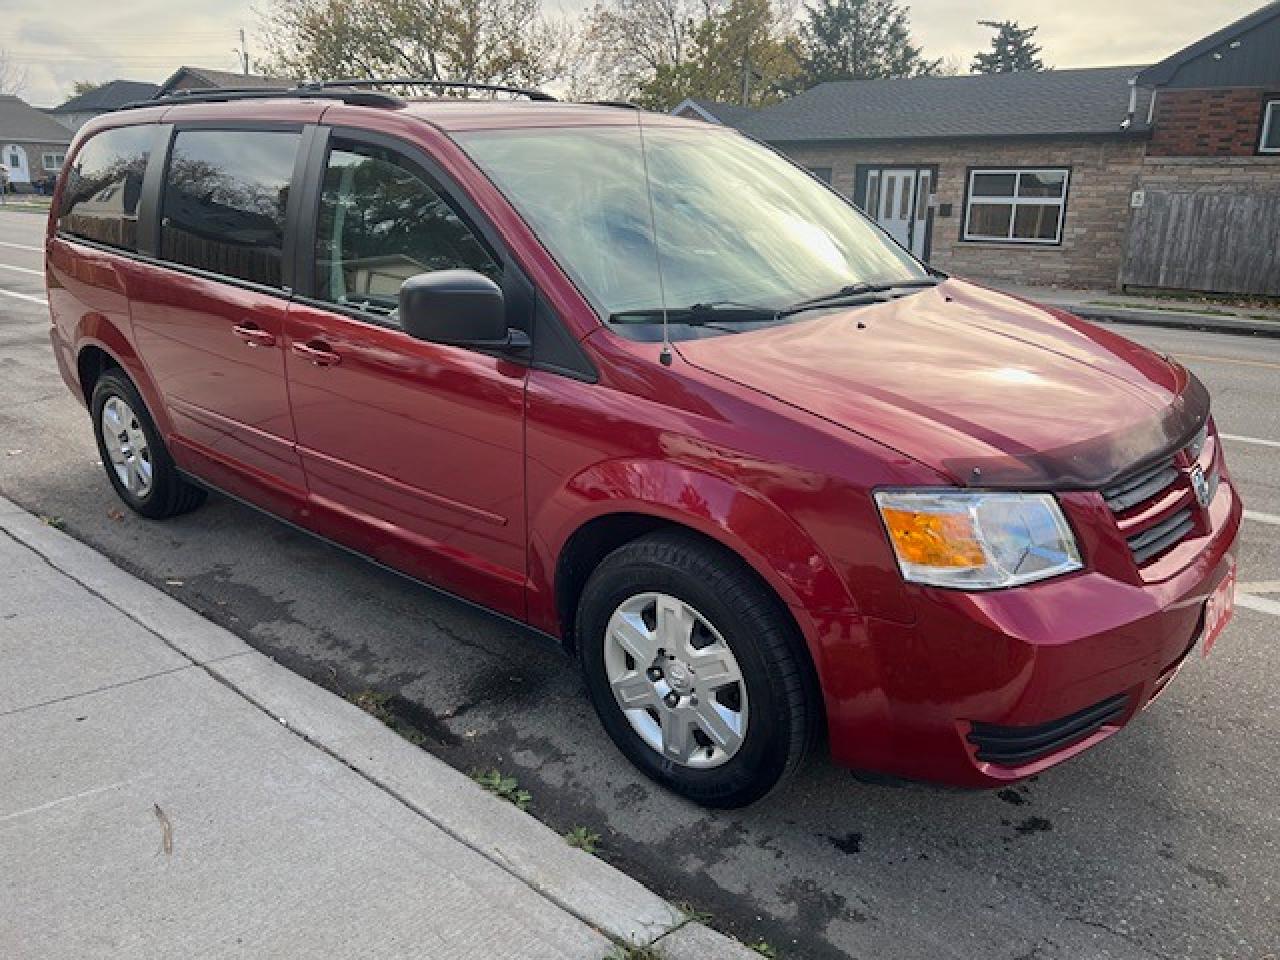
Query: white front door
[
  {"x": 897, "y": 204},
  {"x": 898, "y": 198},
  {"x": 14, "y": 158}
]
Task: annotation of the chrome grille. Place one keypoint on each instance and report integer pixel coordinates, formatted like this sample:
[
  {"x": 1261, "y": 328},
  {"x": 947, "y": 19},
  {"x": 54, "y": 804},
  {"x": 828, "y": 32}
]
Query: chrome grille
[
  {"x": 1155, "y": 506},
  {"x": 1155, "y": 540},
  {"x": 1141, "y": 486}
]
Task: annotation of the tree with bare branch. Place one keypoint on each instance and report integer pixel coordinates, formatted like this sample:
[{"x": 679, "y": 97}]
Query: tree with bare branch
[
  {"x": 13, "y": 78},
  {"x": 478, "y": 41}
]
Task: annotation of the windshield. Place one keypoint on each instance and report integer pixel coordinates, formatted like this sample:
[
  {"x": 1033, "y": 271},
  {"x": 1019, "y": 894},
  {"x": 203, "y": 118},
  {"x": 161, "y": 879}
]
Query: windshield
[{"x": 736, "y": 224}]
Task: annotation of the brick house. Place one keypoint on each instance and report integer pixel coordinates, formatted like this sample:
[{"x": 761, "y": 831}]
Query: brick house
[
  {"x": 1091, "y": 178},
  {"x": 32, "y": 145}
]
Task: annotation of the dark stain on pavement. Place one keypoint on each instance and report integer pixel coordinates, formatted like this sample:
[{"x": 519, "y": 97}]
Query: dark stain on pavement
[
  {"x": 847, "y": 843},
  {"x": 1034, "y": 825}
]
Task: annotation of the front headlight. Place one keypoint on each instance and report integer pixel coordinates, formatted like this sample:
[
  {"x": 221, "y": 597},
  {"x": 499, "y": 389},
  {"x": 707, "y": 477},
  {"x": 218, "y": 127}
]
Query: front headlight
[{"x": 977, "y": 541}]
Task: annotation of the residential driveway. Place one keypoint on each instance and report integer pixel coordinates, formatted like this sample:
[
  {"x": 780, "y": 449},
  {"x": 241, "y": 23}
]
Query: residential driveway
[{"x": 1163, "y": 842}]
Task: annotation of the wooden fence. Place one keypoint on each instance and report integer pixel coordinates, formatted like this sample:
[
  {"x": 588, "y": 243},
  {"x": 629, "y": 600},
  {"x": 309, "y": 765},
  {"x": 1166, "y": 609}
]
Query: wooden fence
[{"x": 1219, "y": 242}]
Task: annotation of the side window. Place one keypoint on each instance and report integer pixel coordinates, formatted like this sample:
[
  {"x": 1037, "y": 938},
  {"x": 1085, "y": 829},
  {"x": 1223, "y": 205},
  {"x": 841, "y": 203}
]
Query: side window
[
  {"x": 225, "y": 199},
  {"x": 100, "y": 199},
  {"x": 381, "y": 223}
]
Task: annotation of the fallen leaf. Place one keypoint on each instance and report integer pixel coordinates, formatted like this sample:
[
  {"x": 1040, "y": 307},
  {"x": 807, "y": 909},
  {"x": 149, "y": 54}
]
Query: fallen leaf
[
  {"x": 166, "y": 830},
  {"x": 114, "y": 514}
]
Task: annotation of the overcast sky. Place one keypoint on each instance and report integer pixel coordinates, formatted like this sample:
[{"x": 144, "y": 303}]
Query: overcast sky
[{"x": 58, "y": 43}]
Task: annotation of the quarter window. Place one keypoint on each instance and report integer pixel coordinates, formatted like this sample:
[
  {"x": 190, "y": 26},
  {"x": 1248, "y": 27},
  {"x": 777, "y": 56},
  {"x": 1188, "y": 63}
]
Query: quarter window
[
  {"x": 225, "y": 200},
  {"x": 100, "y": 198},
  {"x": 1270, "y": 140},
  {"x": 1018, "y": 206},
  {"x": 381, "y": 223}
]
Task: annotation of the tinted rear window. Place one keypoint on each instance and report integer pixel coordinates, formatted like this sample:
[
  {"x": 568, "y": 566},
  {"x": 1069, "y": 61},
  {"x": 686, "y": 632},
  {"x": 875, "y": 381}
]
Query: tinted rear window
[
  {"x": 100, "y": 200},
  {"x": 224, "y": 202}
]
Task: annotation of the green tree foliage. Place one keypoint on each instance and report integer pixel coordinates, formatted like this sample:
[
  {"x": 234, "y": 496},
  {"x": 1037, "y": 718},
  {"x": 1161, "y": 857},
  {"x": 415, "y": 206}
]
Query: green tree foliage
[
  {"x": 858, "y": 40},
  {"x": 1012, "y": 49},
  {"x": 499, "y": 41},
  {"x": 737, "y": 54}
]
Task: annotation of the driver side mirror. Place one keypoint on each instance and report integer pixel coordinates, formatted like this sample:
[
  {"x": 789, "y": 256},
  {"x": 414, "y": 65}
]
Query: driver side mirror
[{"x": 456, "y": 307}]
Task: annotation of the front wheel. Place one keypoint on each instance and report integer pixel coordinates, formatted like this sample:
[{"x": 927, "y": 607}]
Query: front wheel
[{"x": 695, "y": 669}]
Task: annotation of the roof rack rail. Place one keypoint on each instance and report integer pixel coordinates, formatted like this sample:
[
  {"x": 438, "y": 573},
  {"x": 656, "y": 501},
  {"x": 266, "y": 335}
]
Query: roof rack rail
[
  {"x": 363, "y": 98},
  {"x": 621, "y": 104},
  {"x": 539, "y": 95}
]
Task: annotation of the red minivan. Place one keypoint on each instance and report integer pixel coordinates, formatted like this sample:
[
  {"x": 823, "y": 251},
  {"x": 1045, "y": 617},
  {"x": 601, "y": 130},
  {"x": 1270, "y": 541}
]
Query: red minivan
[{"x": 645, "y": 386}]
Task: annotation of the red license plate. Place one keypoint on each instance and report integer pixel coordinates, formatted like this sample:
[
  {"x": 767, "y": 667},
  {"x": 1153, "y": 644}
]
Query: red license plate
[{"x": 1218, "y": 610}]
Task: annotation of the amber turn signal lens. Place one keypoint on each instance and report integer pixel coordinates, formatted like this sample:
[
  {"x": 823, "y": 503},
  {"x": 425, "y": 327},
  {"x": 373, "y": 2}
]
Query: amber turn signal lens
[{"x": 934, "y": 539}]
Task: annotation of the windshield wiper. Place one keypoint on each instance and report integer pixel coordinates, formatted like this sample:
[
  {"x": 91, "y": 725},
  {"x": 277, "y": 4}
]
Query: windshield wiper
[
  {"x": 701, "y": 314},
  {"x": 853, "y": 292}
]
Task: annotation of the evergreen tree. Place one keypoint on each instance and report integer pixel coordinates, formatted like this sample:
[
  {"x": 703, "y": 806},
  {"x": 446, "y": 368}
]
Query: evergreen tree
[
  {"x": 1012, "y": 49},
  {"x": 859, "y": 40}
]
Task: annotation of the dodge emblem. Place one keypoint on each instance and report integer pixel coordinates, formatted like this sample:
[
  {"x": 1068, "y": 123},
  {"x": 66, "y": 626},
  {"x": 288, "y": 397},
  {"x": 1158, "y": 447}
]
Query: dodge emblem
[{"x": 1200, "y": 485}]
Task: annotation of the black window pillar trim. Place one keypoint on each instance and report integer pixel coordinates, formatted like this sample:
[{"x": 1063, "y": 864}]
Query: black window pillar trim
[
  {"x": 153, "y": 179},
  {"x": 308, "y": 178}
]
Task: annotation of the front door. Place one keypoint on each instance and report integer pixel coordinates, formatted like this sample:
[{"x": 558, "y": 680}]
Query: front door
[
  {"x": 413, "y": 451},
  {"x": 211, "y": 327},
  {"x": 14, "y": 159},
  {"x": 898, "y": 199}
]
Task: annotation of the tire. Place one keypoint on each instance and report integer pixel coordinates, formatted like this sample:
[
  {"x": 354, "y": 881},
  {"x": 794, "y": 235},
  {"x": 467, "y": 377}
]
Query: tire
[
  {"x": 133, "y": 453},
  {"x": 772, "y": 707}
]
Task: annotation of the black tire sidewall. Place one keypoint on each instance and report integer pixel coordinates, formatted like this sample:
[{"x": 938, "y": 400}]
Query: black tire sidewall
[
  {"x": 114, "y": 384},
  {"x": 765, "y": 753}
]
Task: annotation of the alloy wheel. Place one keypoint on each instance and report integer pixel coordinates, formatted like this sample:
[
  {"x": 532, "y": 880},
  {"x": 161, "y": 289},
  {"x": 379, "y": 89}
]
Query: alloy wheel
[
  {"x": 126, "y": 445},
  {"x": 676, "y": 680}
]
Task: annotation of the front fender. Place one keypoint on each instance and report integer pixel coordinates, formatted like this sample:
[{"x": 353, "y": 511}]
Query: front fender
[{"x": 769, "y": 541}]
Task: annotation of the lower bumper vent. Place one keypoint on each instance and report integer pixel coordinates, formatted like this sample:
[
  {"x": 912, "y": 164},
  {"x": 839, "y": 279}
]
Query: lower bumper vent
[{"x": 1014, "y": 746}]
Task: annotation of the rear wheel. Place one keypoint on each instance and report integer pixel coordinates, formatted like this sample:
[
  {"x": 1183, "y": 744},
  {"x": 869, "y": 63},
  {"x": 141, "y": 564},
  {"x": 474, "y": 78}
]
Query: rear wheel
[
  {"x": 695, "y": 669},
  {"x": 134, "y": 455}
]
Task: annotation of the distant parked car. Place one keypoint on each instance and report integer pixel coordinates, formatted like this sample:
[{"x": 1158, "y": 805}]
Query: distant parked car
[{"x": 641, "y": 384}]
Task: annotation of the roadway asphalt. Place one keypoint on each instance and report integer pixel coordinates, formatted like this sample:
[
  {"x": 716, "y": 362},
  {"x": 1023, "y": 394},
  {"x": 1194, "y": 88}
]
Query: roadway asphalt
[{"x": 1164, "y": 842}]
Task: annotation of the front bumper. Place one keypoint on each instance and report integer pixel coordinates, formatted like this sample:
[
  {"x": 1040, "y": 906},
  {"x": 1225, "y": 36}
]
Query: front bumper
[{"x": 987, "y": 688}]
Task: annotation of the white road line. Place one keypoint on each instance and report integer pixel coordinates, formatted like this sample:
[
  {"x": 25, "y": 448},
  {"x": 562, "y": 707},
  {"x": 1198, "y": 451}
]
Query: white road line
[
  {"x": 1260, "y": 604},
  {"x": 21, "y": 246},
  {"x": 1260, "y": 586},
  {"x": 10, "y": 266},
  {"x": 1270, "y": 518},
  {"x": 23, "y": 296},
  {"x": 1240, "y": 439}
]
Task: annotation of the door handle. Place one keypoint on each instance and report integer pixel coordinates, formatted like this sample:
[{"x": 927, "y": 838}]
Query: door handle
[
  {"x": 253, "y": 335},
  {"x": 318, "y": 353}
]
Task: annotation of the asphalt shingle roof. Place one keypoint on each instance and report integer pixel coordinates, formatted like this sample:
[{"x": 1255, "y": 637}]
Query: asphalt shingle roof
[
  {"x": 109, "y": 96},
  {"x": 225, "y": 79},
  {"x": 22, "y": 123},
  {"x": 1041, "y": 103},
  {"x": 730, "y": 114}
]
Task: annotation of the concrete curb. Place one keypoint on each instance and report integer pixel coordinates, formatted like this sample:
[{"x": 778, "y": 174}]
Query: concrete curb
[
  {"x": 580, "y": 884},
  {"x": 1199, "y": 322}
]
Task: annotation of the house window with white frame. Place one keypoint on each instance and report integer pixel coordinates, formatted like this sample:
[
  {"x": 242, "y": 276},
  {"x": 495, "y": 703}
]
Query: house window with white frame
[
  {"x": 53, "y": 161},
  {"x": 1016, "y": 205},
  {"x": 1269, "y": 142}
]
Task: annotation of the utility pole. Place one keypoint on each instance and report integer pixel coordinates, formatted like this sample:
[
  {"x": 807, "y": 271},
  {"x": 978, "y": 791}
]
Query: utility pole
[
  {"x": 746, "y": 77},
  {"x": 244, "y": 54}
]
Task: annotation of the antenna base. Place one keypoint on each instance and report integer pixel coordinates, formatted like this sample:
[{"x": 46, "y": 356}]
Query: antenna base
[{"x": 665, "y": 356}]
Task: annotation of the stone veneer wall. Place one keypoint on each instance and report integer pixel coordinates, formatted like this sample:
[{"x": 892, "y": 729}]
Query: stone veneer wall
[{"x": 1104, "y": 171}]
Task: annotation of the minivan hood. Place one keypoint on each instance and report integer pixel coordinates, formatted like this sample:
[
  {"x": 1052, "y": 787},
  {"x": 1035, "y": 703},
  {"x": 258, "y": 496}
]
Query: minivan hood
[{"x": 983, "y": 387}]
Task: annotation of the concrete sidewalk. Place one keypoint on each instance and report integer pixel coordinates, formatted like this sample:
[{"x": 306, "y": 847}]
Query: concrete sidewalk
[
  {"x": 167, "y": 791},
  {"x": 1108, "y": 307}
]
